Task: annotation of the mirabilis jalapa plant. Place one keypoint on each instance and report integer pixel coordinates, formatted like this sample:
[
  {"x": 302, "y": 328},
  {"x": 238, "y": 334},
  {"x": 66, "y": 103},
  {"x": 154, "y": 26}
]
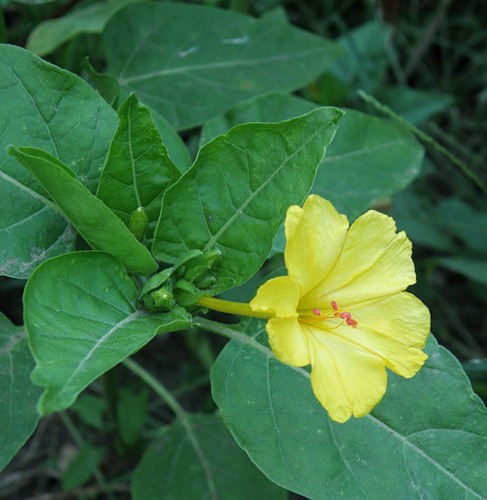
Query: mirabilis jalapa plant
[{"x": 164, "y": 246}]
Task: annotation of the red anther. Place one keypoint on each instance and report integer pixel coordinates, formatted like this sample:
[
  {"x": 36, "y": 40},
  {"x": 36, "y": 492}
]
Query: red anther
[
  {"x": 346, "y": 315},
  {"x": 350, "y": 321},
  {"x": 353, "y": 324},
  {"x": 316, "y": 312},
  {"x": 334, "y": 305}
]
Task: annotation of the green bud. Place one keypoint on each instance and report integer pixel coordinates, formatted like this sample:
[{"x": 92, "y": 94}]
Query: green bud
[
  {"x": 206, "y": 281},
  {"x": 163, "y": 299},
  {"x": 186, "y": 293},
  {"x": 138, "y": 223},
  {"x": 201, "y": 265}
]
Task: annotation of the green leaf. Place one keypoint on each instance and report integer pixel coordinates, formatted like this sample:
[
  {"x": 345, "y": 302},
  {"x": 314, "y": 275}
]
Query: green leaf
[
  {"x": 271, "y": 107},
  {"x": 106, "y": 85},
  {"x": 90, "y": 410},
  {"x": 82, "y": 467},
  {"x": 364, "y": 60},
  {"x": 235, "y": 196},
  {"x": 402, "y": 450},
  {"x": 50, "y": 108},
  {"x": 49, "y": 35},
  {"x": 368, "y": 160},
  {"x": 131, "y": 415},
  {"x": 18, "y": 396},
  {"x": 474, "y": 269},
  {"x": 98, "y": 225},
  {"x": 204, "y": 462},
  {"x": 176, "y": 147},
  {"x": 82, "y": 317},
  {"x": 190, "y": 62},
  {"x": 138, "y": 169}
]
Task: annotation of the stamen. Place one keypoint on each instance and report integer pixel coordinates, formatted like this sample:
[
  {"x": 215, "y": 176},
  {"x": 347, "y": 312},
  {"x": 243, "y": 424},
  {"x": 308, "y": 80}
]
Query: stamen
[{"x": 343, "y": 314}]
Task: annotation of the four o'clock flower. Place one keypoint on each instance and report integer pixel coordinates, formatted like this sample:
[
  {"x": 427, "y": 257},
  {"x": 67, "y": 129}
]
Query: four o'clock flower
[{"x": 342, "y": 307}]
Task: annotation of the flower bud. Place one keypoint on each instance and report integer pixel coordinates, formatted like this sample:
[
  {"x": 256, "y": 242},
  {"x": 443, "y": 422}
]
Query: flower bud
[{"x": 138, "y": 223}]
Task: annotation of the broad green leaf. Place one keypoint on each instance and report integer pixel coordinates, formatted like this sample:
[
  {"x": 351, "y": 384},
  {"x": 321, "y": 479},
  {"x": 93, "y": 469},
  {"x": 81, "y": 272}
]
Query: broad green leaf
[
  {"x": 98, "y": 225},
  {"x": 364, "y": 60},
  {"x": 82, "y": 317},
  {"x": 473, "y": 268},
  {"x": 369, "y": 159},
  {"x": 190, "y": 63},
  {"x": 198, "y": 458},
  {"x": 49, "y": 35},
  {"x": 50, "y": 108},
  {"x": 138, "y": 169},
  {"x": 18, "y": 396},
  {"x": 235, "y": 196},
  {"x": 271, "y": 107},
  {"x": 426, "y": 439}
]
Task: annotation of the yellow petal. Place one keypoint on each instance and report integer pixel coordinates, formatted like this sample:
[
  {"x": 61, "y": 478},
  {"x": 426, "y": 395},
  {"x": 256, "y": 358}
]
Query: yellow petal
[
  {"x": 288, "y": 341},
  {"x": 375, "y": 262},
  {"x": 279, "y": 296},
  {"x": 395, "y": 328},
  {"x": 345, "y": 379},
  {"x": 315, "y": 235}
]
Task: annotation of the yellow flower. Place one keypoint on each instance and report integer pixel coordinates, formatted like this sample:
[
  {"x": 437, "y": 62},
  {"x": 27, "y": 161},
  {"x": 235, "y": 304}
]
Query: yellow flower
[{"x": 342, "y": 308}]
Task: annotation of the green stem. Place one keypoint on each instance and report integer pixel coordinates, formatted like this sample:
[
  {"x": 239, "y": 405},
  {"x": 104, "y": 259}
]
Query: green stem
[
  {"x": 230, "y": 333},
  {"x": 425, "y": 138},
  {"x": 180, "y": 413},
  {"x": 226, "y": 306},
  {"x": 156, "y": 386}
]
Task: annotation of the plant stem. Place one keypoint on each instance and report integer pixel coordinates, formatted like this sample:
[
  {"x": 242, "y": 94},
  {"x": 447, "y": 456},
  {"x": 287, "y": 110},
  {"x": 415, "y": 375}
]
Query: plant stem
[
  {"x": 156, "y": 386},
  {"x": 180, "y": 413},
  {"x": 230, "y": 333},
  {"x": 226, "y": 306}
]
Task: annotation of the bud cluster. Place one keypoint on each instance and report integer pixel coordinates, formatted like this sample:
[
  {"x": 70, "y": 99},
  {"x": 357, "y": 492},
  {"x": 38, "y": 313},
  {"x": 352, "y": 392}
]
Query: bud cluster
[{"x": 183, "y": 284}]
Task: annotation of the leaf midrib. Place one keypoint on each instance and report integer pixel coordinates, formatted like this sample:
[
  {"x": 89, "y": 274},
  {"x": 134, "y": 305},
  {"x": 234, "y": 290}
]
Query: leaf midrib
[{"x": 236, "y": 63}]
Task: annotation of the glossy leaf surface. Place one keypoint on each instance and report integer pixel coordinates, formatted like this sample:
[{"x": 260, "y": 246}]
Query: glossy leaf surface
[
  {"x": 198, "y": 61},
  {"x": 82, "y": 317},
  {"x": 202, "y": 461},
  {"x": 427, "y": 438},
  {"x": 235, "y": 196},
  {"x": 18, "y": 396},
  {"x": 46, "y": 107}
]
